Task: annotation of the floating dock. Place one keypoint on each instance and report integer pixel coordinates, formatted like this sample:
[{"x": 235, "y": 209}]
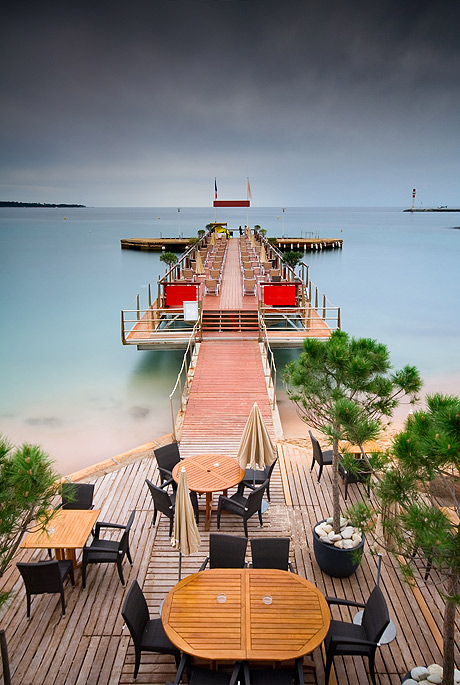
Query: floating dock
[{"x": 155, "y": 244}]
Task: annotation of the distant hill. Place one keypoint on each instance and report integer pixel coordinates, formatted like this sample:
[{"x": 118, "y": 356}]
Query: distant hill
[{"x": 34, "y": 204}]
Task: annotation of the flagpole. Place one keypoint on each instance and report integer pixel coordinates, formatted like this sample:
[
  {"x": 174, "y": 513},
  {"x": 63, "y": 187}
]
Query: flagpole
[
  {"x": 247, "y": 198},
  {"x": 215, "y": 197}
]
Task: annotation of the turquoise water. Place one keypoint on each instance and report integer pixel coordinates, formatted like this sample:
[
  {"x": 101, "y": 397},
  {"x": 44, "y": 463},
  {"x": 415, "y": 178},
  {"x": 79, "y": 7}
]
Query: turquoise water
[{"x": 69, "y": 384}]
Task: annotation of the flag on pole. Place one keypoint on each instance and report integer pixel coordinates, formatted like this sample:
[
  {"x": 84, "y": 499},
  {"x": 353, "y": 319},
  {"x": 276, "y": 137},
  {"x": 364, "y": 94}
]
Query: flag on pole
[
  {"x": 215, "y": 189},
  {"x": 249, "y": 190}
]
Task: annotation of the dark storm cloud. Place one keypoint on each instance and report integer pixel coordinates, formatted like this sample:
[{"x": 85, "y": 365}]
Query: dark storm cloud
[{"x": 152, "y": 91}]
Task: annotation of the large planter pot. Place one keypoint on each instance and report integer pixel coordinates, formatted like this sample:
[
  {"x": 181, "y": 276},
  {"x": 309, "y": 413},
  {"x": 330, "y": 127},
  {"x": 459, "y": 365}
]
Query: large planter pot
[{"x": 338, "y": 563}]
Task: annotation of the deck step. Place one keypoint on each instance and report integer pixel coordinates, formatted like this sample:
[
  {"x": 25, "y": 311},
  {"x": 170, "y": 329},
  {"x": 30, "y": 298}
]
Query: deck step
[{"x": 226, "y": 320}]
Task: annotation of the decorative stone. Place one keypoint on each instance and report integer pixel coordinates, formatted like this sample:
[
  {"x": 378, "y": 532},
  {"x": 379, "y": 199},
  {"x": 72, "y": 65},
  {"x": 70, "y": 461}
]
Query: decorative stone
[
  {"x": 347, "y": 533},
  {"x": 339, "y": 543},
  {"x": 334, "y": 537},
  {"x": 456, "y": 675},
  {"x": 330, "y": 520},
  {"x": 325, "y": 539},
  {"x": 434, "y": 678},
  {"x": 435, "y": 668},
  {"x": 410, "y": 681},
  {"x": 348, "y": 544},
  {"x": 356, "y": 536},
  {"x": 419, "y": 673},
  {"x": 356, "y": 543},
  {"x": 327, "y": 528},
  {"x": 319, "y": 530}
]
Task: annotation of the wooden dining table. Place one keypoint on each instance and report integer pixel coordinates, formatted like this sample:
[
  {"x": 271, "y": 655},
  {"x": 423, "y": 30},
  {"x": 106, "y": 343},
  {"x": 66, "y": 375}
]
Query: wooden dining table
[
  {"x": 67, "y": 531},
  {"x": 208, "y": 473},
  {"x": 253, "y": 614}
]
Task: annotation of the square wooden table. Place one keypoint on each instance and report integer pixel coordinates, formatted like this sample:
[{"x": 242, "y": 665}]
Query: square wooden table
[
  {"x": 254, "y": 614},
  {"x": 66, "y": 532},
  {"x": 210, "y": 473}
]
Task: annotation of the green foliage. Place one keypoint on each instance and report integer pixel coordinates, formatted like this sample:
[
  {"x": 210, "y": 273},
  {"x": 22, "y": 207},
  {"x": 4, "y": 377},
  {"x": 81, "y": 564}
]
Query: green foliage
[
  {"x": 345, "y": 388},
  {"x": 272, "y": 241},
  {"x": 418, "y": 498},
  {"x": 191, "y": 241},
  {"x": 262, "y": 231},
  {"x": 201, "y": 233},
  {"x": 28, "y": 485},
  {"x": 292, "y": 258},
  {"x": 169, "y": 258}
]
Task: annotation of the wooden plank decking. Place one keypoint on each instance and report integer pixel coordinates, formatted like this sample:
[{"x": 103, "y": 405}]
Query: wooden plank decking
[{"x": 89, "y": 645}]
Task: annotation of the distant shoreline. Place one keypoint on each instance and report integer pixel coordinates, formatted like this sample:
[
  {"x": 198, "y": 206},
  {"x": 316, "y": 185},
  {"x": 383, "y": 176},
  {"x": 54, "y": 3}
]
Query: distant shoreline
[
  {"x": 432, "y": 209},
  {"x": 34, "y": 204}
]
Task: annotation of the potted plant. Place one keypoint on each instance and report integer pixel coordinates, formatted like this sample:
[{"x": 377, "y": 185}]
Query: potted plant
[
  {"x": 418, "y": 496},
  {"x": 344, "y": 388},
  {"x": 169, "y": 258},
  {"x": 292, "y": 258}
]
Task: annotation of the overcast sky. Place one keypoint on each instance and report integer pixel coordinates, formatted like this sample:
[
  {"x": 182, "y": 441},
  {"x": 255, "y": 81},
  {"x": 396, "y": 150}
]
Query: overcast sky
[{"x": 143, "y": 103}]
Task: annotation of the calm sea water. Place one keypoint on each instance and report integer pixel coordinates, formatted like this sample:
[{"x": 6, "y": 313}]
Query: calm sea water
[{"x": 69, "y": 384}]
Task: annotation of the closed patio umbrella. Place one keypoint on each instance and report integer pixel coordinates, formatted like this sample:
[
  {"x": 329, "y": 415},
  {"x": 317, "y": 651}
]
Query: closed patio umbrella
[
  {"x": 256, "y": 448},
  {"x": 186, "y": 537},
  {"x": 262, "y": 255},
  {"x": 199, "y": 269}
]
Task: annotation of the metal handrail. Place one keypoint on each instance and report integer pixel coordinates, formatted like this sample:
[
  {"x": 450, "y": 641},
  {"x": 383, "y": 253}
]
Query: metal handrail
[
  {"x": 269, "y": 357},
  {"x": 301, "y": 318},
  {"x": 187, "y": 364},
  {"x": 155, "y": 320}
]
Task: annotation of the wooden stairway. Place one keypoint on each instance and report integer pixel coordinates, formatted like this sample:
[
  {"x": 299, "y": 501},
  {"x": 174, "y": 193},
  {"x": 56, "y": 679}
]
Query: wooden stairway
[{"x": 230, "y": 321}]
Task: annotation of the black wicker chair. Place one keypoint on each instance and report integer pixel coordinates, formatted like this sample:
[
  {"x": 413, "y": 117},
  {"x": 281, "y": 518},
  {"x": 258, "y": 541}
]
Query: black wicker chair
[
  {"x": 102, "y": 551},
  {"x": 274, "y": 676},
  {"x": 46, "y": 577},
  {"x": 148, "y": 634},
  {"x": 322, "y": 458},
  {"x": 271, "y": 553},
  {"x": 225, "y": 551},
  {"x": 165, "y": 503},
  {"x": 167, "y": 457},
  {"x": 243, "y": 506},
  {"x": 77, "y": 495},
  {"x": 255, "y": 477},
  {"x": 203, "y": 676},
  {"x": 350, "y": 639}
]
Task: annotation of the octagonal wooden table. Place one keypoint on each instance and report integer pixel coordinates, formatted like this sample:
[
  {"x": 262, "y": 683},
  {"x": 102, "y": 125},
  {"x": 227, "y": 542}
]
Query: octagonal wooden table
[
  {"x": 233, "y": 614},
  {"x": 210, "y": 473}
]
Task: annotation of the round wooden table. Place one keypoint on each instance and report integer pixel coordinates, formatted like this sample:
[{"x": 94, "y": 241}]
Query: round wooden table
[
  {"x": 210, "y": 473},
  {"x": 255, "y": 614}
]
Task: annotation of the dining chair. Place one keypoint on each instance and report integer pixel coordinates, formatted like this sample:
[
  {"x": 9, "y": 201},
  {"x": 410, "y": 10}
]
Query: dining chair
[
  {"x": 255, "y": 477},
  {"x": 167, "y": 457},
  {"x": 271, "y": 553},
  {"x": 350, "y": 639},
  {"x": 322, "y": 458},
  {"x": 203, "y": 676},
  {"x": 349, "y": 477},
  {"x": 249, "y": 286},
  {"x": 243, "y": 506},
  {"x": 45, "y": 577},
  {"x": 212, "y": 287},
  {"x": 77, "y": 495},
  {"x": 165, "y": 503},
  {"x": 274, "y": 676},
  {"x": 148, "y": 634},
  {"x": 102, "y": 551},
  {"x": 225, "y": 551}
]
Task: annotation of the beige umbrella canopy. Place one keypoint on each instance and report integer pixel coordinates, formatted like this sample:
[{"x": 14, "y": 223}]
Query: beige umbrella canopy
[
  {"x": 186, "y": 537},
  {"x": 262, "y": 255},
  {"x": 213, "y": 238},
  {"x": 256, "y": 447},
  {"x": 199, "y": 269}
]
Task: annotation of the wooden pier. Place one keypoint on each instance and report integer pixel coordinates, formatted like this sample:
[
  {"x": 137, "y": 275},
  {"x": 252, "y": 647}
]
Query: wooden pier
[
  {"x": 155, "y": 244},
  {"x": 231, "y": 310}
]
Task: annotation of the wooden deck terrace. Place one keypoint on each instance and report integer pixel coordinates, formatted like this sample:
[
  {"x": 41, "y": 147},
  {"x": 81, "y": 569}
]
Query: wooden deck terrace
[
  {"x": 89, "y": 646},
  {"x": 230, "y": 313}
]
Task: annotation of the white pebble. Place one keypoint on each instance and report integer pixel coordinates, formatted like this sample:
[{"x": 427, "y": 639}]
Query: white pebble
[
  {"x": 327, "y": 528},
  {"x": 419, "y": 673},
  {"x": 410, "y": 681},
  {"x": 348, "y": 544},
  {"x": 435, "y": 668},
  {"x": 356, "y": 543},
  {"x": 319, "y": 530},
  {"x": 347, "y": 533},
  {"x": 339, "y": 543},
  {"x": 456, "y": 675},
  {"x": 326, "y": 540},
  {"x": 434, "y": 678},
  {"x": 334, "y": 537}
]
